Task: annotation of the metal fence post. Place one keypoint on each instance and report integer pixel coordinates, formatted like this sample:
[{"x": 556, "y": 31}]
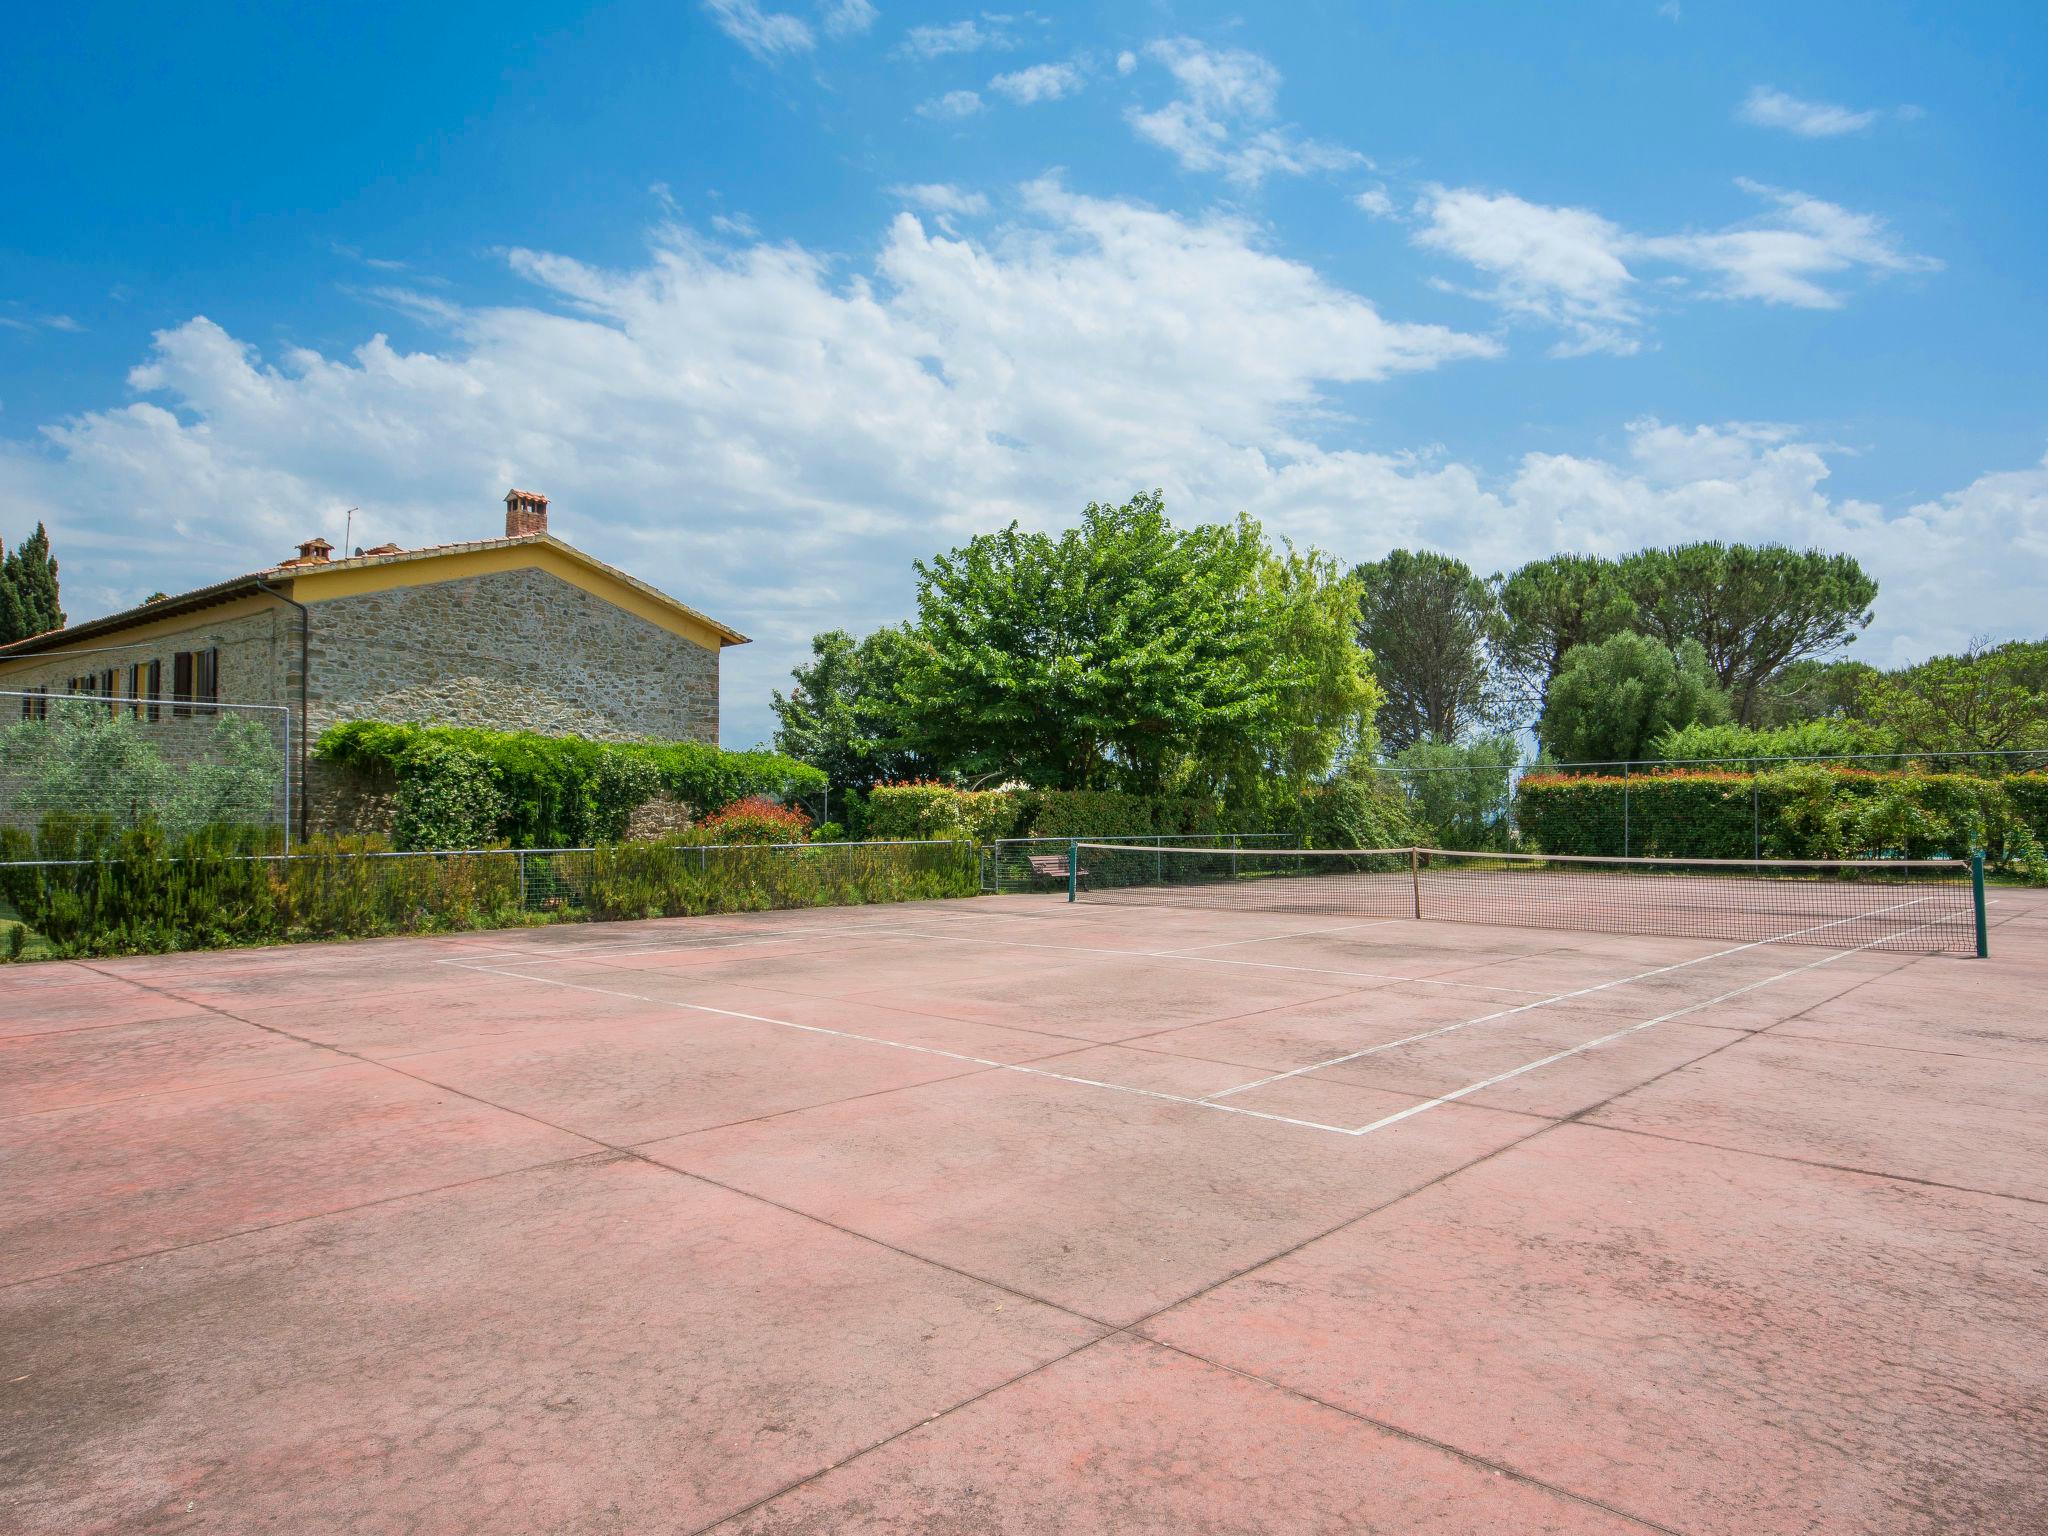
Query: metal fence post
[
  {"x": 1624, "y": 810},
  {"x": 1073, "y": 871},
  {"x": 1977, "y": 898}
]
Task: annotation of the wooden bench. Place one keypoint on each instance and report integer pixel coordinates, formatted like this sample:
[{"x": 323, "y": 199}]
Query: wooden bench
[{"x": 1053, "y": 866}]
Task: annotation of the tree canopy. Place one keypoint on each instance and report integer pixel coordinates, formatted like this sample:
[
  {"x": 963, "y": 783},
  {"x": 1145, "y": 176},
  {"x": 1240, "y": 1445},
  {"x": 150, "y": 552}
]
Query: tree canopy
[
  {"x": 1547, "y": 607},
  {"x": 1128, "y": 653},
  {"x": 1989, "y": 698},
  {"x": 1430, "y": 626},
  {"x": 1614, "y": 698},
  {"x": 1754, "y": 609},
  {"x": 846, "y": 715},
  {"x": 28, "y": 589}
]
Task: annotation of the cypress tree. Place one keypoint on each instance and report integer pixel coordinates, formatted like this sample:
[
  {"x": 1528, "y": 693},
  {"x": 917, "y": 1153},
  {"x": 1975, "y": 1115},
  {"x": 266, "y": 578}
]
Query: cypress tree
[{"x": 28, "y": 589}]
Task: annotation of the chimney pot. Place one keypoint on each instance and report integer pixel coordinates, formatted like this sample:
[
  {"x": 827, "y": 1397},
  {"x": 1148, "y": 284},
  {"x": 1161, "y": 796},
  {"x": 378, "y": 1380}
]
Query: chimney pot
[
  {"x": 526, "y": 513},
  {"x": 314, "y": 552}
]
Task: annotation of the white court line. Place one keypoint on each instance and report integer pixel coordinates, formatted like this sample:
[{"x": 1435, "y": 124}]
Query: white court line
[
  {"x": 887, "y": 929},
  {"x": 1562, "y": 997},
  {"x": 1175, "y": 954},
  {"x": 900, "y": 1045},
  {"x": 1677, "y": 1013}
]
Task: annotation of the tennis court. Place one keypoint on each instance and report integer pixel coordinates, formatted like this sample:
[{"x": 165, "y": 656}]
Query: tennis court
[{"x": 1238, "y": 1200}]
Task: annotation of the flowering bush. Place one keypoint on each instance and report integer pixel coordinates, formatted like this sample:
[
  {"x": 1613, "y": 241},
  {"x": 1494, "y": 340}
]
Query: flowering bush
[{"x": 755, "y": 819}]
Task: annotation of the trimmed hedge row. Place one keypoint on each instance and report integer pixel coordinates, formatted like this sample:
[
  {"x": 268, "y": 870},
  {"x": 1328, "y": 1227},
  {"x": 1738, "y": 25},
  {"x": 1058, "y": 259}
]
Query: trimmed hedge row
[
  {"x": 459, "y": 787},
  {"x": 137, "y": 892},
  {"x": 1798, "y": 812}
]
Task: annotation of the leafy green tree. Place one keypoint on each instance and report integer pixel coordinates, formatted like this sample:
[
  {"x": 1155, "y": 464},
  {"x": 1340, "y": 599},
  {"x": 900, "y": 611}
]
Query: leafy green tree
[
  {"x": 1990, "y": 698},
  {"x": 1754, "y": 609},
  {"x": 1616, "y": 697},
  {"x": 1815, "y": 690},
  {"x": 1430, "y": 626},
  {"x": 28, "y": 590},
  {"x": 1460, "y": 792},
  {"x": 1130, "y": 654},
  {"x": 846, "y": 713},
  {"x": 1550, "y": 605}
]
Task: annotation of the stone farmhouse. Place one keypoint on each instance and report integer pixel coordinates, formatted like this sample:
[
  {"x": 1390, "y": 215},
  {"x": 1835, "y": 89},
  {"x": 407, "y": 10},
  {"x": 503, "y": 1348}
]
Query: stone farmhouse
[{"x": 522, "y": 632}]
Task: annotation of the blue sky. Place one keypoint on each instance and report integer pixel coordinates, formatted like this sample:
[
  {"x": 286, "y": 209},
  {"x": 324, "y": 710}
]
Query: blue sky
[{"x": 773, "y": 296}]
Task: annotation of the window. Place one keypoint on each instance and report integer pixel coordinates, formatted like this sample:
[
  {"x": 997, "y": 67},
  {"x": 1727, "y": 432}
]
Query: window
[
  {"x": 107, "y": 691},
  {"x": 195, "y": 680},
  {"x": 134, "y": 693},
  {"x": 155, "y": 683},
  {"x": 35, "y": 703}
]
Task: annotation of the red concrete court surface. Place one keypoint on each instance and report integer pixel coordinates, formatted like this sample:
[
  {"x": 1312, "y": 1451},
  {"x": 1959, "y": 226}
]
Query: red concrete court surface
[{"x": 1010, "y": 1215}]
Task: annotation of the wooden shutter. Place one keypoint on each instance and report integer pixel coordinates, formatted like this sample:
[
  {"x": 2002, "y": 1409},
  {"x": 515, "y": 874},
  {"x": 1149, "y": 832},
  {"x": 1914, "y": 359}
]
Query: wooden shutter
[
  {"x": 181, "y": 683},
  {"x": 156, "y": 689}
]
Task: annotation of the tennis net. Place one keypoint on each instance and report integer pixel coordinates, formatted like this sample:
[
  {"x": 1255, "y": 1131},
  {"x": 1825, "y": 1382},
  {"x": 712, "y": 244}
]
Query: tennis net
[{"x": 1915, "y": 906}]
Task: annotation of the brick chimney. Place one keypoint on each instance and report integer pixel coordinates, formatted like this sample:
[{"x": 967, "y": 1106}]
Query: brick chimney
[
  {"x": 312, "y": 552},
  {"x": 526, "y": 512}
]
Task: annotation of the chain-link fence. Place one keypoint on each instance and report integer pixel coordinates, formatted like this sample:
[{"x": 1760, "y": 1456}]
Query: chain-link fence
[
  {"x": 205, "y": 898},
  {"x": 1724, "y": 807},
  {"x": 117, "y": 763}
]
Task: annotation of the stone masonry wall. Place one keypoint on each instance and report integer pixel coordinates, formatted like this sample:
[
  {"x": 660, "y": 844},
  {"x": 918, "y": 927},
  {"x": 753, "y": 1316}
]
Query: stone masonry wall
[{"x": 515, "y": 650}]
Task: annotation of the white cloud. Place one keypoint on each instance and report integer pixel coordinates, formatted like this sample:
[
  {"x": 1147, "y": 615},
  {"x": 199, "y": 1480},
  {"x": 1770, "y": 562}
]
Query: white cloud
[
  {"x": 1222, "y": 120},
  {"x": 1571, "y": 268},
  {"x": 954, "y": 104},
  {"x": 1040, "y": 82},
  {"x": 848, "y": 18},
  {"x": 1126, "y": 62},
  {"x": 764, "y": 34},
  {"x": 1768, "y": 108},
  {"x": 969, "y": 36},
  {"x": 1377, "y": 201},
  {"x": 747, "y": 424},
  {"x": 1778, "y": 258},
  {"x": 942, "y": 197}
]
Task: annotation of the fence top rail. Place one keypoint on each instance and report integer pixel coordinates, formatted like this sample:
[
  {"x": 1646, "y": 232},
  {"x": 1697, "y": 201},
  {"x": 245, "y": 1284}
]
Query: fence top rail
[
  {"x": 2038, "y": 754},
  {"x": 1956, "y": 865},
  {"x": 1137, "y": 837},
  {"x": 500, "y": 853}
]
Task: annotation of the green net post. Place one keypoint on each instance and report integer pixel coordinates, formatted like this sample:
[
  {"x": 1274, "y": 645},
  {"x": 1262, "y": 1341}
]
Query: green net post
[
  {"x": 1977, "y": 898},
  {"x": 1073, "y": 871}
]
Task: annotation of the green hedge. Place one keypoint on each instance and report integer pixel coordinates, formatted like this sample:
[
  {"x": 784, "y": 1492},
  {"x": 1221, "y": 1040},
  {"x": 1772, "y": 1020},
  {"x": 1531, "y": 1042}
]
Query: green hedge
[
  {"x": 1804, "y": 811},
  {"x": 538, "y": 791},
  {"x": 137, "y": 892}
]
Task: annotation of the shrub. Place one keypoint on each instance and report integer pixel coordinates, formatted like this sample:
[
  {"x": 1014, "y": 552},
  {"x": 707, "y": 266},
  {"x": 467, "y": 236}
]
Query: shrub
[
  {"x": 83, "y": 754},
  {"x": 1357, "y": 811},
  {"x": 1805, "y": 738},
  {"x": 448, "y": 797},
  {"x": 142, "y": 892},
  {"x": 921, "y": 810},
  {"x": 828, "y": 832},
  {"x": 753, "y": 820}
]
